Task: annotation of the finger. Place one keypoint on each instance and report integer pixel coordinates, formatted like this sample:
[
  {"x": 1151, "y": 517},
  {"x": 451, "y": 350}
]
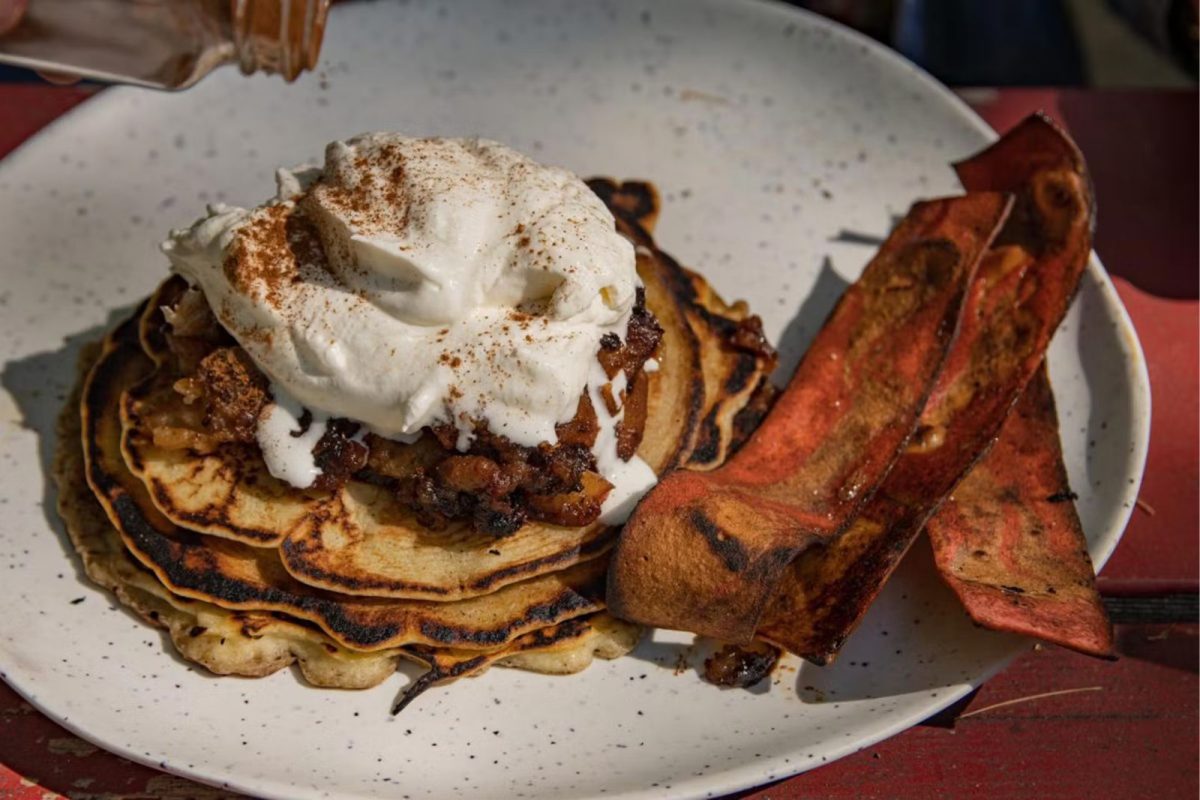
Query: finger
[
  {"x": 11, "y": 12},
  {"x": 59, "y": 78}
]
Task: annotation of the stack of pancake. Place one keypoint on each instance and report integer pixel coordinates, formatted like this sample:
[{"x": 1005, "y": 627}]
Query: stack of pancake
[{"x": 250, "y": 575}]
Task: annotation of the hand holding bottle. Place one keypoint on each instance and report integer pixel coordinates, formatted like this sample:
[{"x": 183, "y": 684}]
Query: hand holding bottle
[
  {"x": 165, "y": 44},
  {"x": 11, "y": 14}
]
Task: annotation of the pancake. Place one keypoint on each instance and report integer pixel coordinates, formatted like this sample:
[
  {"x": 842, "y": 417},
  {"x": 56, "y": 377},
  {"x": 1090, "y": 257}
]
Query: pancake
[
  {"x": 225, "y": 642},
  {"x": 151, "y": 320},
  {"x": 362, "y": 541},
  {"x": 256, "y": 644},
  {"x": 366, "y": 543},
  {"x": 736, "y": 362},
  {"x": 243, "y": 502},
  {"x": 227, "y": 493},
  {"x": 602, "y": 636},
  {"x": 735, "y": 359},
  {"x": 562, "y": 649},
  {"x": 235, "y": 576},
  {"x": 249, "y": 575},
  {"x": 635, "y": 202}
]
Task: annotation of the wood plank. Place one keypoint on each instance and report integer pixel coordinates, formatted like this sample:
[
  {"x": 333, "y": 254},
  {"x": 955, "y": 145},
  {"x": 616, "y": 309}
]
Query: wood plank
[
  {"x": 1135, "y": 737},
  {"x": 26, "y": 108},
  {"x": 1160, "y": 551}
]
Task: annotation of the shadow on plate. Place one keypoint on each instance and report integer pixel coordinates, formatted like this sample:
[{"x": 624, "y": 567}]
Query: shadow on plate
[
  {"x": 686, "y": 659},
  {"x": 799, "y": 333},
  {"x": 915, "y": 639},
  {"x": 39, "y": 384}
]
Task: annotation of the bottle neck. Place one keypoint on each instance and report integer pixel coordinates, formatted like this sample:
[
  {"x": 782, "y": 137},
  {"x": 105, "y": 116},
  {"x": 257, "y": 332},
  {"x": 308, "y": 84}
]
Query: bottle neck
[{"x": 278, "y": 36}]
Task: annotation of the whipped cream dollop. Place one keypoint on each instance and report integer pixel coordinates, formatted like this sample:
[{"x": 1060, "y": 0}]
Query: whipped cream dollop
[{"x": 416, "y": 282}]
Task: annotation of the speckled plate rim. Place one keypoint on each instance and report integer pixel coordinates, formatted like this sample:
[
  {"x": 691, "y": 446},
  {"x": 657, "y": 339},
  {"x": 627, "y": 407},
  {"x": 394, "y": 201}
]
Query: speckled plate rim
[{"x": 763, "y": 770}]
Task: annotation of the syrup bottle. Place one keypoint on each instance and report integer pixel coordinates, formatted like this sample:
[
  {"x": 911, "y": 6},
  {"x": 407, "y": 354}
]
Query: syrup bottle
[{"x": 166, "y": 44}]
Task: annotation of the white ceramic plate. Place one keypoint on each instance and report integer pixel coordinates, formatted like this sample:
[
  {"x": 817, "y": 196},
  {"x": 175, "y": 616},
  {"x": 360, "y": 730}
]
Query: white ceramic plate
[{"x": 769, "y": 133}]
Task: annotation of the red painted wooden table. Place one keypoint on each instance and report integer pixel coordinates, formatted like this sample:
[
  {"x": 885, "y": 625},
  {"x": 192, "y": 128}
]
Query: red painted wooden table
[{"x": 1054, "y": 724}]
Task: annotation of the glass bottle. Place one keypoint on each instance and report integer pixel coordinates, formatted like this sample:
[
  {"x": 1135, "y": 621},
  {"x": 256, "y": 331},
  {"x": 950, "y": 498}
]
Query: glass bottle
[{"x": 166, "y": 44}]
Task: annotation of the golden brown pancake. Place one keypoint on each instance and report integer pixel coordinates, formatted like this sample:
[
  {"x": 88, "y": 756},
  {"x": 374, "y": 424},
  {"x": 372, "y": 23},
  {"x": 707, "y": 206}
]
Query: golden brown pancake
[
  {"x": 236, "y": 576},
  {"x": 366, "y": 543},
  {"x": 226, "y": 642},
  {"x": 562, "y": 649},
  {"x": 256, "y": 644},
  {"x": 219, "y": 493},
  {"x": 734, "y": 359},
  {"x": 363, "y": 541},
  {"x": 736, "y": 362}
]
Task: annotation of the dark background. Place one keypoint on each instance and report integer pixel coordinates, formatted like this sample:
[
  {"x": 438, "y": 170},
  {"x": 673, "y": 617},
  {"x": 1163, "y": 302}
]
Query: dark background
[
  {"x": 1099, "y": 43},
  {"x": 1066, "y": 43}
]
